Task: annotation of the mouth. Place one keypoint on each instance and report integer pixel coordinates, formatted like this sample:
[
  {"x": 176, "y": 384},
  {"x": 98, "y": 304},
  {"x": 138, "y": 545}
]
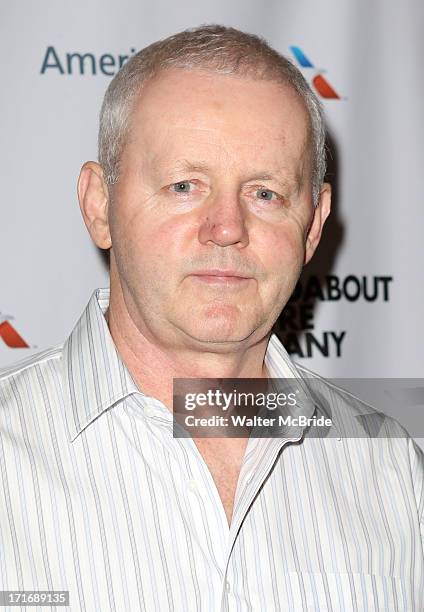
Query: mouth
[{"x": 221, "y": 277}]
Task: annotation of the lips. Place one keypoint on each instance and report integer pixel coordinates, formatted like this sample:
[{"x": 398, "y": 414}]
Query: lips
[
  {"x": 224, "y": 277},
  {"x": 221, "y": 273}
]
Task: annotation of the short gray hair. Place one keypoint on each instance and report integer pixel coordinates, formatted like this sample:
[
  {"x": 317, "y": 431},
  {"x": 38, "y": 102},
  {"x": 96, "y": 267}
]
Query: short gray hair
[{"x": 218, "y": 48}]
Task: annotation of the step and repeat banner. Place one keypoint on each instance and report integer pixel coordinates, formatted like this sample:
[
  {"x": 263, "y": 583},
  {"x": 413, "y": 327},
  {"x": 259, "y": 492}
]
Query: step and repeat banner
[{"x": 358, "y": 308}]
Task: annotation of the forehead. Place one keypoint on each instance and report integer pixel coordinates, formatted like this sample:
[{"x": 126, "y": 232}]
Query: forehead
[{"x": 183, "y": 113}]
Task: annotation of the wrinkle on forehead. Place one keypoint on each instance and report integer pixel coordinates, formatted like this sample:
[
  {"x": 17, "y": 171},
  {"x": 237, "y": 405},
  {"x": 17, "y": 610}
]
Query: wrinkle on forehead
[
  {"x": 205, "y": 142},
  {"x": 210, "y": 130}
]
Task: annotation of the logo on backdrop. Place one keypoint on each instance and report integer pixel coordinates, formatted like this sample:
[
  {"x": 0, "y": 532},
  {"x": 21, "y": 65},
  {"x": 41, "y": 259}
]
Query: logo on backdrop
[
  {"x": 82, "y": 63},
  {"x": 76, "y": 63},
  {"x": 56, "y": 62},
  {"x": 319, "y": 82},
  {"x": 9, "y": 334},
  {"x": 296, "y": 325}
]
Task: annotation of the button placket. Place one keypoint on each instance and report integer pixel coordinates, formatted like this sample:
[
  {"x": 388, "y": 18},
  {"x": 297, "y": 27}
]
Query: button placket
[{"x": 198, "y": 499}]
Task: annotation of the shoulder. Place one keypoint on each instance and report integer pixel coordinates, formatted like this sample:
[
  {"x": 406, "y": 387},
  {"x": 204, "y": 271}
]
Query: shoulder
[
  {"x": 26, "y": 377},
  {"x": 344, "y": 401},
  {"x": 375, "y": 431}
]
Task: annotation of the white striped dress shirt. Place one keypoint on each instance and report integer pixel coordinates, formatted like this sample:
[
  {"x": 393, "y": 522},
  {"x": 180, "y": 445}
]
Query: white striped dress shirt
[{"x": 98, "y": 498}]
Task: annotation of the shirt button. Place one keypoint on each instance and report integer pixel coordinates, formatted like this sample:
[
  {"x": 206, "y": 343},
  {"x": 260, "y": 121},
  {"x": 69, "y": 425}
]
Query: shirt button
[
  {"x": 193, "y": 486},
  {"x": 227, "y": 586},
  {"x": 149, "y": 411}
]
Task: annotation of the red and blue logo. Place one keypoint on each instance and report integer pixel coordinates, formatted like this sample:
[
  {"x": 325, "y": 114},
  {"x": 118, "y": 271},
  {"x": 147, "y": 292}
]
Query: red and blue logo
[{"x": 319, "y": 82}]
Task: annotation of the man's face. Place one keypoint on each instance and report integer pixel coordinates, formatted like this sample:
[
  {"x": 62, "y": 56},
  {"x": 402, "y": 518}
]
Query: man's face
[{"x": 214, "y": 177}]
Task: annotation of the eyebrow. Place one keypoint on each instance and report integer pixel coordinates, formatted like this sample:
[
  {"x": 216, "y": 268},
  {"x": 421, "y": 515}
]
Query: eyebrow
[{"x": 296, "y": 180}]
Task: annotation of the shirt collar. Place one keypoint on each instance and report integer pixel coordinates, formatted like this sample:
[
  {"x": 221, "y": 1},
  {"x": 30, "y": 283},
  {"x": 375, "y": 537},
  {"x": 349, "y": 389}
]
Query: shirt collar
[
  {"x": 96, "y": 378},
  {"x": 294, "y": 379}
]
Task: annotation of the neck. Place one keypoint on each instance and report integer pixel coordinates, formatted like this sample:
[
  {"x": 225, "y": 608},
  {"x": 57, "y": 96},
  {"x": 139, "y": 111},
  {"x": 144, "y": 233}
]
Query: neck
[{"x": 154, "y": 365}]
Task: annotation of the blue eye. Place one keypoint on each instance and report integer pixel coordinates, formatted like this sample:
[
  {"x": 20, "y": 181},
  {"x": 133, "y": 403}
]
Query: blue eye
[
  {"x": 265, "y": 194},
  {"x": 181, "y": 187}
]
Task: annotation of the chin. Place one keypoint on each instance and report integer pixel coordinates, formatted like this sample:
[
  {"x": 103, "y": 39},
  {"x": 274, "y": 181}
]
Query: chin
[
  {"x": 217, "y": 323},
  {"x": 219, "y": 331}
]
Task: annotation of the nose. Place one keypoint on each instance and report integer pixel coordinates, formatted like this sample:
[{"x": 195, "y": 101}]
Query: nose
[{"x": 224, "y": 222}]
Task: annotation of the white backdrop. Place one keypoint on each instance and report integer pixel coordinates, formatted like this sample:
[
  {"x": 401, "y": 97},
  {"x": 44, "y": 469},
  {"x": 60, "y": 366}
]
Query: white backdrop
[{"x": 370, "y": 53}]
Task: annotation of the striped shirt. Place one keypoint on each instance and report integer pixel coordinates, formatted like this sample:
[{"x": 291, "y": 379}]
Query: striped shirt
[{"x": 98, "y": 498}]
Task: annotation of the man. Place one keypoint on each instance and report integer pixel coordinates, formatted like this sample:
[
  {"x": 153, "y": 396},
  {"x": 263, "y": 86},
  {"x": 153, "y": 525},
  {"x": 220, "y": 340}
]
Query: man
[{"x": 209, "y": 196}]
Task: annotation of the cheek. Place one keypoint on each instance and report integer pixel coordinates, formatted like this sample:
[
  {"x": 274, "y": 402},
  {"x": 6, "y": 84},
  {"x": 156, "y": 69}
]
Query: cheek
[
  {"x": 147, "y": 244},
  {"x": 283, "y": 249}
]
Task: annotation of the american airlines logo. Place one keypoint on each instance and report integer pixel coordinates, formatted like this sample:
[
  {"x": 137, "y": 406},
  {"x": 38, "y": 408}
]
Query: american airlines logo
[
  {"x": 9, "y": 335},
  {"x": 56, "y": 61},
  {"x": 319, "y": 82}
]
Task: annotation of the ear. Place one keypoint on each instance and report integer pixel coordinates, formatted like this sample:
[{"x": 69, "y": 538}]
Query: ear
[
  {"x": 93, "y": 196},
  {"x": 321, "y": 213}
]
